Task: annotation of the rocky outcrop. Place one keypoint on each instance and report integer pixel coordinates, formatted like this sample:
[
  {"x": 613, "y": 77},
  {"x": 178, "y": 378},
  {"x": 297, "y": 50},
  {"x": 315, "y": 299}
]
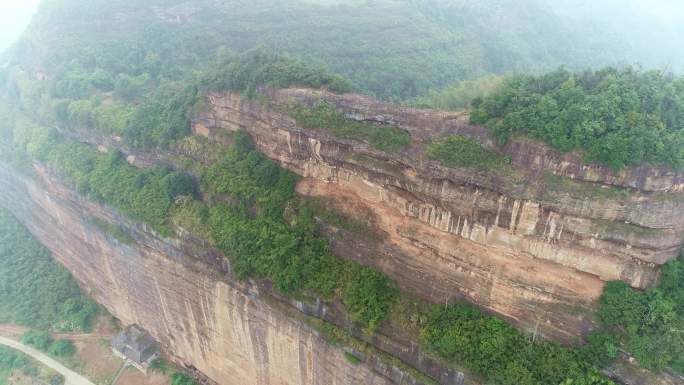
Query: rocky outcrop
[
  {"x": 535, "y": 244},
  {"x": 530, "y": 155},
  {"x": 527, "y": 245},
  {"x": 181, "y": 291}
]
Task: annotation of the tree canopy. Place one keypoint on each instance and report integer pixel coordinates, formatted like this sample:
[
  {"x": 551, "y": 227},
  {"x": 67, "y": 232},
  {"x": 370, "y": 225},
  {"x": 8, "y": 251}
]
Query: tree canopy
[
  {"x": 34, "y": 290},
  {"x": 618, "y": 117}
]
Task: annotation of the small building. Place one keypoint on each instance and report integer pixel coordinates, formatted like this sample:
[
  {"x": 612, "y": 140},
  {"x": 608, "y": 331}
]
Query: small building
[{"x": 136, "y": 347}]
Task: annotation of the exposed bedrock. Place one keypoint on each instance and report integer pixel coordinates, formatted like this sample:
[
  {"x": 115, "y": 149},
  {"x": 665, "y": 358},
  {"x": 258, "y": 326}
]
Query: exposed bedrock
[
  {"x": 182, "y": 293},
  {"x": 534, "y": 247}
]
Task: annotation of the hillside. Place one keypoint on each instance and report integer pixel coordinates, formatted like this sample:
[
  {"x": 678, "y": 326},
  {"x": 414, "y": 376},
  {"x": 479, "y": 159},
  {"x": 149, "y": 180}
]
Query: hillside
[{"x": 393, "y": 49}]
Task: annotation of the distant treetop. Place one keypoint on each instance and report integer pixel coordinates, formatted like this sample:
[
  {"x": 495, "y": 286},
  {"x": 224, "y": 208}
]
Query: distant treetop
[
  {"x": 260, "y": 68},
  {"x": 617, "y": 117}
]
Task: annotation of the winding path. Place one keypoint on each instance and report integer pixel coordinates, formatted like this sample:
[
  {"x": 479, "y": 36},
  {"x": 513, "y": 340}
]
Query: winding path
[{"x": 70, "y": 377}]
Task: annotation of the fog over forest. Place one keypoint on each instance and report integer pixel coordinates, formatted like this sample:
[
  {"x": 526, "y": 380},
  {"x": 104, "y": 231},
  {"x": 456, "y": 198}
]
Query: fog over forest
[
  {"x": 652, "y": 29},
  {"x": 14, "y": 17},
  {"x": 647, "y": 32}
]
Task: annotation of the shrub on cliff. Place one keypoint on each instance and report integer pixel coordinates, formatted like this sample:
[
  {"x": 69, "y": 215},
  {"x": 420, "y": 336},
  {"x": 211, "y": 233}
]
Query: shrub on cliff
[
  {"x": 324, "y": 116},
  {"x": 163, "y": 117},
  {"x": 179, "y": 378},
  {"x": 459, "y": 96},
  {"x": 617, "y": 117},
  {"x": 461, "y": 151},
  {"x": 368, "y": 295},
  {"x": 649, "y": 323},
  {"x": 492, "y": 348},
  {"x": 252, "y": 229}
]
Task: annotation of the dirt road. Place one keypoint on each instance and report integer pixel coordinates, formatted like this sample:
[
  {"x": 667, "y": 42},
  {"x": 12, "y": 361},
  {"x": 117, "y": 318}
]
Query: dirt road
[
  {"x": 71, "y": 378},
  {"x": 9, "y": 330}
]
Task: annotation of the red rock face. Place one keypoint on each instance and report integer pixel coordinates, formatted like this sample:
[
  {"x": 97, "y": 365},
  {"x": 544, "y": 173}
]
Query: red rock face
[
  {"x": 183, "y": 294},
  {"x": 528, "y": 154},
  {"x": 531, "y": 247},
  {"x": 520, "y": 246}
]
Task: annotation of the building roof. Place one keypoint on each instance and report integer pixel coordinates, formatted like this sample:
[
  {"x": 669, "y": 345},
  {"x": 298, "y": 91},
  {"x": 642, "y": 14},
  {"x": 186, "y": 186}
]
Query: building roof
[{"x": 135, "y": 344}]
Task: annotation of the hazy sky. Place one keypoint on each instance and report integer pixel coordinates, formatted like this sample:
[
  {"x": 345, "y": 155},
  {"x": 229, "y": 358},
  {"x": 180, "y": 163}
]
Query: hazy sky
[{"x": 14, "y": 17}]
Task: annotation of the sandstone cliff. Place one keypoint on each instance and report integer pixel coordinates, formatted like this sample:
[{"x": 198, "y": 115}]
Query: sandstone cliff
[
  {"x": 182, "y": 292},
  {"x": 535, "y": 247}
]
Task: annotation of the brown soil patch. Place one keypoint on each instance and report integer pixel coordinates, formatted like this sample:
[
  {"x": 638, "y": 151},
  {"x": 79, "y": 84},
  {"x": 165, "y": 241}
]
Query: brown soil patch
[
  {"x": 42, "y": 376},
  {"x": 98, "y": 362},
  {"x": 12, "y": 331},
  {"x": 133, "y": 376},
  {"x": 19, "y": 378},
  {"x": 104, "y": 326}
]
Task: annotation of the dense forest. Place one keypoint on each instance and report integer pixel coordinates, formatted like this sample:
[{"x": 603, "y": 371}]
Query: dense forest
[
  {"x": 394, "y": 49},
  {"x": 35, "y": 291},
  {"x": 617, "y": 117}
]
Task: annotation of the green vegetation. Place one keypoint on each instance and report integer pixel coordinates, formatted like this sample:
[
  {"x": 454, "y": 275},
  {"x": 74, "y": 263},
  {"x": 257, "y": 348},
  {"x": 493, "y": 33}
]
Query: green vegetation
[
  {"x": 42, "y": 340},
  {"x": 253, "y": 232},
  {"x": 324, "y": 116},
  {"x": 147, "y": 195},
  {"x": 589, "y": 190},
  {"x": 256, "y": 219},
  {"x": 498, "y": 351},
  {"x": 324, "y": 210},
  {"x": 649, "y": 323},
  {"x": 10, "y": 360},
  {"x": 179, "y": 378},
  {"x": 266, "y": 69},
  {"x": 62, "y": 348},
  {"x": 352, "y": 359},
  {"x": 144, "y": 85},
  {"x": 459, "y": 96},
  {"x": 157, "y": 114},
  {"x": 192, "y": 216},
  {"x": 160, "y": 365},
  {"x": 618, "y": 117},
  {"x": 461, "y": 151},
  {"x": 115, "y": 231},
  {"x": 368, "y": 296},
  {"x": 34, "y": 290},
  {"x": 392, "y": 49}
]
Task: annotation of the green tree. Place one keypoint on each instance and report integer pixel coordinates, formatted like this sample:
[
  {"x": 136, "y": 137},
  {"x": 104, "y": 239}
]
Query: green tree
[
  {"x": 182, "y": 379},
  {"x": 368, "y": 296},
  {"x": 41, "y": 340},
  {"x": 62, "y": 348},
  {"x": 617, "y": 117}
]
